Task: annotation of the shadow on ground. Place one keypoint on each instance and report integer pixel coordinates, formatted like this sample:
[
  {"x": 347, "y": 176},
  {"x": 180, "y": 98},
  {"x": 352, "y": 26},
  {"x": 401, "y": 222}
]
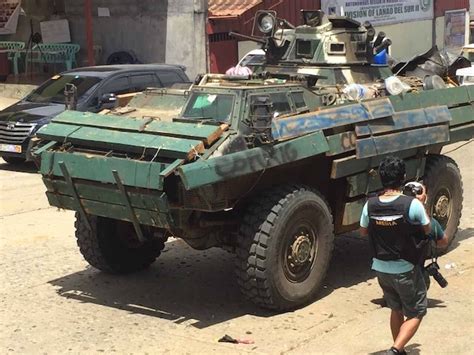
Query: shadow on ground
[
  {"x": 412, "y": 349},
  {"x": 21, "y": 168},
  {"x": 461, "y": 235},
  {"x": 187, "y": 285}
]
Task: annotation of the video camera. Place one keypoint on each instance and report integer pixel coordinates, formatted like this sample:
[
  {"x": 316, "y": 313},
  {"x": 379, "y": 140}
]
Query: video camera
[{"x": 413, "y": 188}]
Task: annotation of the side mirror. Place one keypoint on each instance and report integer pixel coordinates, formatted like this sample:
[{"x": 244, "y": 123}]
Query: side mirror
[
  {"x": 261, "y": 116},
  {"x": 108, "y": 101}
]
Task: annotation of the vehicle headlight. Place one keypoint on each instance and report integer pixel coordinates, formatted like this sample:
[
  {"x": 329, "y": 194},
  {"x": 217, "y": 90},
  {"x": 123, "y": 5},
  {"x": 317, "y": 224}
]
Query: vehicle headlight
[{"x": 266, "y": 23}]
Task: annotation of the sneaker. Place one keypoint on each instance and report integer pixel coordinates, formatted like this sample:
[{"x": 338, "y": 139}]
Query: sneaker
[{"x": 394, "y": 350}]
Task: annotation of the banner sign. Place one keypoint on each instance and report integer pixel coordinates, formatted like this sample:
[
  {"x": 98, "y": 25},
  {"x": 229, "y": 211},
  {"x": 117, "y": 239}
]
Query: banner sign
[
  {"x": 380, "y": 12},
  {"x": 455, "y": 28}
]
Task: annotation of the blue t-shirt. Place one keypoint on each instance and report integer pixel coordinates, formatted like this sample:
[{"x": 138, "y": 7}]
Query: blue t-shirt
[{"x": 416, "y": 215}]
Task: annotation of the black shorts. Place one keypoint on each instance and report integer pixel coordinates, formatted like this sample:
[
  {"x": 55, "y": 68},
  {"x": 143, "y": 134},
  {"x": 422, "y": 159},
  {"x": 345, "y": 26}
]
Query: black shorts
[{"x": 405, "y": 292}]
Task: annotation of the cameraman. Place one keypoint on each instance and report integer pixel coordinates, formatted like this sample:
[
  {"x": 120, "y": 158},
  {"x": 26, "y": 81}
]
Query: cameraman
[{"x": 394, "y": 222}]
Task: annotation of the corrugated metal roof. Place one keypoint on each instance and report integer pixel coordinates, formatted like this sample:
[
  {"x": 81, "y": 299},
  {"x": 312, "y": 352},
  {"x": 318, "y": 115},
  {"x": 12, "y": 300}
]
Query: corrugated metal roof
[{"x": 222, "y": 8}]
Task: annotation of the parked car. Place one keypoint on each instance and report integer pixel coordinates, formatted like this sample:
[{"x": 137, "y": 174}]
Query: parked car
[
  {"x": 97, "y": 88},
  {"x": 253, "y": 59}
]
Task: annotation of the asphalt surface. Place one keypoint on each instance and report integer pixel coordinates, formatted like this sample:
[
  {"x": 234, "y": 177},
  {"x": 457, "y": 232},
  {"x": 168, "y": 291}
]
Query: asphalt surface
[{"x": 52, "y": 302}]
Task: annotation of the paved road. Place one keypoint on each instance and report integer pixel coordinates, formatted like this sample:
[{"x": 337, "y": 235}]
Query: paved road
[
  {"x": 52, "y": 302},
  {"x": 5, "y": 102}
]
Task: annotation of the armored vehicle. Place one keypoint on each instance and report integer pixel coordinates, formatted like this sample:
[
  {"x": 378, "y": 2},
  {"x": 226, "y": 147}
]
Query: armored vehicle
[{"x": 270, "y": 166}]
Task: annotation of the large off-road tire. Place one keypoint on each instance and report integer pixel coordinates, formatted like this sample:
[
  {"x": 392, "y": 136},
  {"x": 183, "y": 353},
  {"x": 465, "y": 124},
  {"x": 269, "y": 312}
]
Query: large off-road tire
[
  {"x": 112, "y": 246},
  {"x": 284, "y": 247},
  {"x": 445, "y": 194},
  {"x": 14, "y": 160}
]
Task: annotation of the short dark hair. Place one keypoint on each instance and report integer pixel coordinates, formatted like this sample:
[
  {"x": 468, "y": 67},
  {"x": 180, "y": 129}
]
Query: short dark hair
[{"x": 392, "y": 172}]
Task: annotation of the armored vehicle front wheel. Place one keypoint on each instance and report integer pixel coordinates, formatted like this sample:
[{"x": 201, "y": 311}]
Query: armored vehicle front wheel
[
  {"x": 284, "y": 247},
  {"x": 112, "y": 245},
  {"x": 445, "y": 193}
]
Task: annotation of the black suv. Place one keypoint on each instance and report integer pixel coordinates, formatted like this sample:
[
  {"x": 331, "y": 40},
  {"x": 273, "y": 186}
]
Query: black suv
[{"x": 96, "y": 90}]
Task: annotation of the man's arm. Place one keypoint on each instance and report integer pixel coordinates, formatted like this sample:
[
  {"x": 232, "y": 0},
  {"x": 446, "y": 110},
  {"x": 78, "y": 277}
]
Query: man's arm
[
  {"x": 438, "y": 234},
  {"x": 364, "y": 222},
  {"x": 422, "y": 216}
]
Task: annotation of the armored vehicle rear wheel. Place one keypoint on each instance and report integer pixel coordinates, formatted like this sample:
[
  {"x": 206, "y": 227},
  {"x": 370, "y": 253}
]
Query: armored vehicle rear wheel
[
  {"x": 112, "y": 246},
  {"x": 445, "y": 193},
  {"x": 284, "y": 247}
]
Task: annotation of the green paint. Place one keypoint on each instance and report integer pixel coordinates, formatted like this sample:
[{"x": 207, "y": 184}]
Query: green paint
[
  {"x": 138, "y": 143},
  {"x": 145, "y": 217},
  {"x": 191, "y": 130},
  {"x": 205, "y": 172},
  {"x": 99, "y": 169}
]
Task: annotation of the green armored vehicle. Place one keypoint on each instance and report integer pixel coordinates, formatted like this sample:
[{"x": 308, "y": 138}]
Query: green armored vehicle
[{"x": 270, "y": 166}]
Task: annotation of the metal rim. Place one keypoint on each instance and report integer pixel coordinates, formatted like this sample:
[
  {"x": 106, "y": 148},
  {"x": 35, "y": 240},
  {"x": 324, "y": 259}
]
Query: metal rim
[
  {"x": 442, "y": 206},
  {"x": 299, "y": 251}
]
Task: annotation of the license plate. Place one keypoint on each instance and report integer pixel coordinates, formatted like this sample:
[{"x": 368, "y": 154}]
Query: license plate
[{"x": 11, "y": 148}]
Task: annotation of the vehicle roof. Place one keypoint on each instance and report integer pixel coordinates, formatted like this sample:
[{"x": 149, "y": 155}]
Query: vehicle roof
[
  {"x": 469, "y": 71},
  {"x": 104, "y": 71},
  {"x": 237, "y": 86}
]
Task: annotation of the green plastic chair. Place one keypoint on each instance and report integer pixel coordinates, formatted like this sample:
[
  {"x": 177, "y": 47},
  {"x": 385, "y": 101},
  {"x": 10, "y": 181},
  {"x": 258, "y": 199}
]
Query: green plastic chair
[
  {"x": 15, "y": 54},
  {"x": 52, "y": 53}
]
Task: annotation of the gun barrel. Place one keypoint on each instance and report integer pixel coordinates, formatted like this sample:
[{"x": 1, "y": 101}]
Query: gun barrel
[{"x": 250, "y": 38}]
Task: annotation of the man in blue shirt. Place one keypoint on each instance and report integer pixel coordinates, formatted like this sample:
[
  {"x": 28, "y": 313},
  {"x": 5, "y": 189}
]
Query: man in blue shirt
[{"x": 396, "y": 225}]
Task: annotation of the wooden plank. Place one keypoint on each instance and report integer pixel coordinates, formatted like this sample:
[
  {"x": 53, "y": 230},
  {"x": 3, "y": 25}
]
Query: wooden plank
[
  {"x": 206, "y": 132},
  {"x": 404, "y": 120},
  {"x": 357, "y": 184},
  {"x": 462, "y": 133},
  {"x": 150, "y": 218},
  {"x": 124, "y": 99},
  {"x": 351, "y": 165},
  {"x": 352, "y": 212},
  {"x": 394, "y": 142},
  {"x": 97, "y": 168},
  {"x": 140, "y": 143},
  {"x": 462, "y": 115},
  {"x": 293, "y": 126},
  {"x": 341, "y": 143},
  {"x": 109, "y": 194},
  {"x": 450, "y": 97},
  {"x": 205, "y": 172}
]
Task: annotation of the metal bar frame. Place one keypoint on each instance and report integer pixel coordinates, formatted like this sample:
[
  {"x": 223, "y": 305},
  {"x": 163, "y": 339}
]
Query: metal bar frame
[{"x": 127, "y": 203}]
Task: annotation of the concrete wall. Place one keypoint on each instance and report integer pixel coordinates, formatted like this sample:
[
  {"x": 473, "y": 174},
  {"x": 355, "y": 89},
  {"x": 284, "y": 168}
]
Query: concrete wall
[
  {"x": 409, "y": 38},
  {"x": 186, "y": 35},
  {"x": 157, "y": 31}
]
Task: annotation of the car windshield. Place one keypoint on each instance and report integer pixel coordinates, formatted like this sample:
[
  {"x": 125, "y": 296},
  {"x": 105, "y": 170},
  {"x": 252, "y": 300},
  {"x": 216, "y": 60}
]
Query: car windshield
[
  {"x": 217, "y": 107},
  {"x": 253, "y": 59},
  {"x": 52, "y": 91}
]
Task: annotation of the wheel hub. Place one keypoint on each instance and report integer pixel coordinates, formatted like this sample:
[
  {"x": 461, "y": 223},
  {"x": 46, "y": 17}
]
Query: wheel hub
[
  {"x": 301, "y": 250},
  {"x": 442, "y": 206}
]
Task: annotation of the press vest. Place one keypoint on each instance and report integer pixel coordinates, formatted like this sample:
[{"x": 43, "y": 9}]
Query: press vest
[{"x": 390, "y": 232}]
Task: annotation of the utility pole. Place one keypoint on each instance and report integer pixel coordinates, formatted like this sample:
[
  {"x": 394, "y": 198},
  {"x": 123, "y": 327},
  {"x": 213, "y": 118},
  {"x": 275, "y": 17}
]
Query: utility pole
[{"x": 89, "y": 33}]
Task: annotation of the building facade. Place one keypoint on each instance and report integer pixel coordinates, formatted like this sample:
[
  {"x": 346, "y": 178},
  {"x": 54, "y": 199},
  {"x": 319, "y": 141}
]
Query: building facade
[{"x": 413, "y": 25}]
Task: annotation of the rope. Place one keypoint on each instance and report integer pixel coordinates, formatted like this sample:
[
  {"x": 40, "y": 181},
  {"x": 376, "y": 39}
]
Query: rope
[{"x": 462, "y": 145}]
